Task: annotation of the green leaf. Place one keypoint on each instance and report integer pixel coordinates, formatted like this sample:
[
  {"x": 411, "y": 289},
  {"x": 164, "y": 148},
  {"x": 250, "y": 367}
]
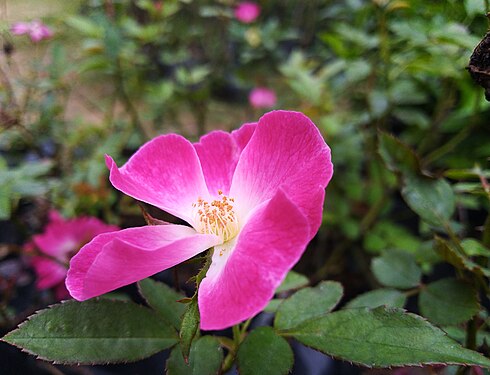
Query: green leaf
[
  {"x": 452, "y": 255},
  {"x": 85, "y": 26},
  {"x": 383, "y": 337},
  {"x": 5, "y": 205},
  {"x": 432, "y": 200},
  {"x": 264, "y": 352},
  {"x": 31, "y": 170},
  {"x": 163, "y": 299},
  {"x": 448, "y": 302},
  {"x": 189, "y": 327},
  {"x": 396, "y": 269},
  {"x": 397, "y": 156},
  {"x": 473, "y": 247},
  {"x": 378, "y": 297},
  {"x": 308, "y": 303},
  {"x": 474, "y": 7},
  {"x": 459, "y": 334},
  {"x": 273, "y": 305},
  {"x": 93, "y": 332},
  {"x": 205, "y": 358},
  {"x": 292, "y": 281}
]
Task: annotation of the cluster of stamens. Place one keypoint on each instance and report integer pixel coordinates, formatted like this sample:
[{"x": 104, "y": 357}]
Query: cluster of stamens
[{"x": 217, "y": 217}]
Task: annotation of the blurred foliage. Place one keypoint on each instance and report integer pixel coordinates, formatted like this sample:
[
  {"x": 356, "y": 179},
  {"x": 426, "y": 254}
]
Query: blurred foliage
[{"x": 384, "y": 80}]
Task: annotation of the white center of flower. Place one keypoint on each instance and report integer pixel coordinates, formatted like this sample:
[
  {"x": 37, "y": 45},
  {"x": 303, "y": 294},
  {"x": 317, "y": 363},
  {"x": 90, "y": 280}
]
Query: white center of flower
[{"x": 217, "y": 217}]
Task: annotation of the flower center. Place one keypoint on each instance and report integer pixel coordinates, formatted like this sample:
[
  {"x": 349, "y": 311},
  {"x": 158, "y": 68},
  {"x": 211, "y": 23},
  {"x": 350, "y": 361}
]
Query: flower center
[{"x": 217, "y": 217}]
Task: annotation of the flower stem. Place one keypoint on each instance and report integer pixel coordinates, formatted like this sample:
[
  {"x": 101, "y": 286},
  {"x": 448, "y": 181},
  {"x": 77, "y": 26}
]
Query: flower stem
[{"x": 238, "y": 336}]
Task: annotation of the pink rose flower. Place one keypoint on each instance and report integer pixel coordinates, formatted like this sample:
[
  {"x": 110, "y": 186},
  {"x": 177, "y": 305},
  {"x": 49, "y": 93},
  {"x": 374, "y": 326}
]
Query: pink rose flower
[
  {"x": 36, "y": 30},
  {"x": 262, "y": 97},
  {"x": 247, "y": 11},
  {"x": 255, "y": 195},
  {"x": 60, "y": 240}
]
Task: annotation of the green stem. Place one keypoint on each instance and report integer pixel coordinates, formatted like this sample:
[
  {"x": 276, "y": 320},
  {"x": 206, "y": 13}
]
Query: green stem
[
  {"x": 228, "y": 362},
  {"x": 236, "y": 335},
  {"x": 414, "y": 291},
  {"x": 486, "y": 232},
  {"x": 230, "y": 357},
  {"x": 471, "y": 330},
  {"x": 232, "y": 345},
  {"x": 449, "y": 146},
  {"x": 245, "y": 327}
]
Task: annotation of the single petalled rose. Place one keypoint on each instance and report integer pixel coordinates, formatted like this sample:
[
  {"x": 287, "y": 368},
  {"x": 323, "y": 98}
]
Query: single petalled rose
[
  {"x": 262, "y": 97},
  {"x": 255, "y": 195},
  {"x": 247, "y": 11},
  {"x": 36, "y": 30},
  {"x": 60, "y": 240}
]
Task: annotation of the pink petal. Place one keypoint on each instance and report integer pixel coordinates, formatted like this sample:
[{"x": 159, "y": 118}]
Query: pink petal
[
  {"x": 62, "y": 237},
  {"x": 112, "y": 260},
  {"x": 243, "y": 134},
  {"x": 20, "y": 28},
  {"x": 268, "y": 246},
  {"x": 219, "y": 152},
  {"x": 49, "y": 273},
  {"x": 286, "y": 150},
  {"x": 39, "y": 31},
  {"x": 166, "y": 173}
]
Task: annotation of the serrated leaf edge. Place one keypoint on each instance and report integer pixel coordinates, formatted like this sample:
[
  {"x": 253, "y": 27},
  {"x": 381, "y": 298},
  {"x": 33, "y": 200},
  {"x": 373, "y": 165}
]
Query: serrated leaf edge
[{"x": 49, "y": 307}]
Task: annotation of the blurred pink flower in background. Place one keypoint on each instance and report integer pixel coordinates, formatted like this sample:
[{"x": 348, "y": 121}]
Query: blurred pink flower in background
[
  {"x": 262, "y": 97},
  {"x": 247, "y": 11},
  {"x": 61, "y": 240},
  {"x": 36, "y": 30}
]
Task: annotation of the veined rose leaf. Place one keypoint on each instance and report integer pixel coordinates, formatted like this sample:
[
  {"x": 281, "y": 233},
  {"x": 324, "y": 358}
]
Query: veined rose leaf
[
  {"x": 273, "y": 305},
  {"x": 93, "y": 332},
  {"x": 433, "y": 200},
  {"x": 397, "y": 269},
  {"x": 383, "y": 337},
  {"x": 308, "y": 303},
  {"x": 293, "y": 280},
  {"x": 379, "y": 297},
  {"x": 448, "y": 301},
  {"x": 163, "y": 299},
  {"x": 397, "y": 156},
  {"x": 455, "y": 257},
  {"x": 205, "y": 358},
  {"x": 264, "y": 352}
]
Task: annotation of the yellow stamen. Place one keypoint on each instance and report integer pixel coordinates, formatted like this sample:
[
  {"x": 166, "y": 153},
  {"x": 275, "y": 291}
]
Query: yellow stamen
[{"x": 217, "y": 217}]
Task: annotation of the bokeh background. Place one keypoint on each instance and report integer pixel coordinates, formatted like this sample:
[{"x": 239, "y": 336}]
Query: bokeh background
[{"x": 112, "y": 74}]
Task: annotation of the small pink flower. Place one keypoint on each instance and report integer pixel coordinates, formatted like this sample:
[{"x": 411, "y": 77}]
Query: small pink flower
[
  {"x": 60, "y": 240},
  {"x": 247, "y": 11},
  {"x": 255, "y": 195},
  {"x": 262, "y": 97},
  {"x": 36, "y": 30}
]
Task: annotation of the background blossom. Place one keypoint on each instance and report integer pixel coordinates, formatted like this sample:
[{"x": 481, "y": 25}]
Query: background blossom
[
  {"x": 36, "y": 30},
  {"x": 262, "y": 97},
  {"x": 61, "y": 239},
  {"x": 247, "y": 11}
]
